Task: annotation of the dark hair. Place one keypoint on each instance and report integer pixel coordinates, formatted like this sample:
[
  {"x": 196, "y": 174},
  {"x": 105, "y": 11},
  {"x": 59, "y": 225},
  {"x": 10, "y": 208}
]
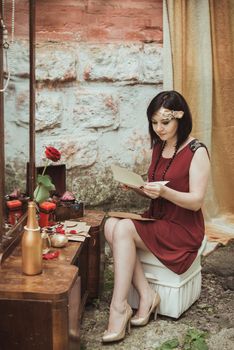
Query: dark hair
[{"x": 172, "y": 100}]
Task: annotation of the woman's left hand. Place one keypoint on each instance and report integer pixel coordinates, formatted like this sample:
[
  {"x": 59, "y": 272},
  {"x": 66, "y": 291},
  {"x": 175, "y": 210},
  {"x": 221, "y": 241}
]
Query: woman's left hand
[{"x": 153, "y": 190}]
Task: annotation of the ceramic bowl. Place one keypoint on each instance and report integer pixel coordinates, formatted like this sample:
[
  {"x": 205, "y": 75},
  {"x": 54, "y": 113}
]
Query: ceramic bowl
[{"x": 58, "y": 240}]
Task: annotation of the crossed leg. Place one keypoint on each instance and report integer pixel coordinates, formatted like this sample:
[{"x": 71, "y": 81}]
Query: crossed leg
[{"x": 123, "y": 240}]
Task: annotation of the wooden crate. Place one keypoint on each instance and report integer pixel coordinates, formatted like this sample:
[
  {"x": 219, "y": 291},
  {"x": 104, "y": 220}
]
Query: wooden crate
[
  {"x": 57, "y": 173},
  {"x": 95, "y": 252},
  {"x": 58, "y": 176},
  {"x": 68, "y": 211}
]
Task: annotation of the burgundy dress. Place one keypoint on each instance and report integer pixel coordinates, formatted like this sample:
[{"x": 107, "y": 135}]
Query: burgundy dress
[{"x": 177, "y": 233}]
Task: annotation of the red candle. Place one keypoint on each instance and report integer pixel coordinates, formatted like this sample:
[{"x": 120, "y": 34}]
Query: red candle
[
  {"x": 15, "y": 211},
  {"x": 46, "y": 213}
]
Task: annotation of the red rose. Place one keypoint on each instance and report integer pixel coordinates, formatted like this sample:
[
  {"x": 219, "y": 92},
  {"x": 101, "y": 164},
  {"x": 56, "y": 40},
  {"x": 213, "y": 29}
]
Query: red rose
[{"x": 52, "y": 154}]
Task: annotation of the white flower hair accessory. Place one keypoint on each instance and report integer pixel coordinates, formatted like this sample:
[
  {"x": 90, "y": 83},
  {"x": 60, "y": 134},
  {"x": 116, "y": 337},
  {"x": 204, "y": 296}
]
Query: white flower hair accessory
[{"x": 170, "y": 114}]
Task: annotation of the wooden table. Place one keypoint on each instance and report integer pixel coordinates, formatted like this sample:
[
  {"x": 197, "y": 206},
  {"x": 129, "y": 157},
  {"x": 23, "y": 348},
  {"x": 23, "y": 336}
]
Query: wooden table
[{"x": 44, "y": 311}]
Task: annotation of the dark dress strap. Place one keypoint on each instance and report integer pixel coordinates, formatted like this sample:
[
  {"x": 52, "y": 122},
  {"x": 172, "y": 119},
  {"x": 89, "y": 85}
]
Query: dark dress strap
[{"x": 195, "y": 144}]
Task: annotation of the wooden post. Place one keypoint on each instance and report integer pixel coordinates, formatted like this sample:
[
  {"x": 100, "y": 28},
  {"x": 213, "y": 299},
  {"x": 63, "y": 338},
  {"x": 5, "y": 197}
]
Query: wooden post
[
  {"x": 32, "y": 43},
  {"x": 2, "y": 138}
]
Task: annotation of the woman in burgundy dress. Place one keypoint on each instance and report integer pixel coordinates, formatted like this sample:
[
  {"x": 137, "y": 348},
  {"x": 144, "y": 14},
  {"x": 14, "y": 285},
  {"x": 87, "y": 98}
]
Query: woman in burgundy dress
[{"x": 175, "y": 235}]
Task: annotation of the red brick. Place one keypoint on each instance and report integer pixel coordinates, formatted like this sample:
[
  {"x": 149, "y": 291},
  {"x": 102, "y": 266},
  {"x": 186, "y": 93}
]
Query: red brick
[{"x": 93, "y": 20}]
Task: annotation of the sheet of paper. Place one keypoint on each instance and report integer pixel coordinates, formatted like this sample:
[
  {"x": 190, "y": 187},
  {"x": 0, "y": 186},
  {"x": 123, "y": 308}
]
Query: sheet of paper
[
  {"x": 126, "y": 215},
  {"x": 127, "y": 177},
  {"x": 130, "y": 178},
  {"x": 81, "y": 227},
  {"x": 76, "y": 225},
  {"x": 157, "y": 182},
  {"x": 76, "y": 238}
]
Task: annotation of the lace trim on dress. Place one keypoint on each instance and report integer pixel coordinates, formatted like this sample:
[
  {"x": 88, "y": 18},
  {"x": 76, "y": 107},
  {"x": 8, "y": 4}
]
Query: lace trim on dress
[{"x": 195, "y": 144}]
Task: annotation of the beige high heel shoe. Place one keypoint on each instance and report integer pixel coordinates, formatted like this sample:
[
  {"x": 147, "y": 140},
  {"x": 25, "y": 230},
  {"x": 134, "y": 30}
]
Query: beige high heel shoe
[
  {"x": 111, "y": 337},
  {"x": 142, "y": 321}
]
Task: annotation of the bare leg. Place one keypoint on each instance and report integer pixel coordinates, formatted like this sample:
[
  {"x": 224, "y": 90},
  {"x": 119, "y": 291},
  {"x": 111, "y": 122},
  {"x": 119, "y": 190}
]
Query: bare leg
[
  {"x": 123, "y": 239},
  {"x": 139, "y": 281},
  {"x": 146, "y": 294}
]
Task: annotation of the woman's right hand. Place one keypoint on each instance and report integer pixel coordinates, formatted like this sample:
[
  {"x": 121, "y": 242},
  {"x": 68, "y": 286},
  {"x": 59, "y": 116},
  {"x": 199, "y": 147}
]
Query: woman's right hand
[{"x": 153, "y": 190}]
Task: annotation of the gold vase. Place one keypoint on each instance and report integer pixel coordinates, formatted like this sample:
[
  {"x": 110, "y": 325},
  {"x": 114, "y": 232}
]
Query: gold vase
[{"x": 32, "y": 244}]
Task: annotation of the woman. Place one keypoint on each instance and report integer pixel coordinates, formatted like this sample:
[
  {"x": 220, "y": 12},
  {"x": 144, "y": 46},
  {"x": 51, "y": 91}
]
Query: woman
[{"x": 177, "y": 233}]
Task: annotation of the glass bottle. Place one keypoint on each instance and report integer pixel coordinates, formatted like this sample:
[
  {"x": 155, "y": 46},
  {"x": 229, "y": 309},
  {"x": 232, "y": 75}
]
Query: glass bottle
[{"x": 32, "y": 244}]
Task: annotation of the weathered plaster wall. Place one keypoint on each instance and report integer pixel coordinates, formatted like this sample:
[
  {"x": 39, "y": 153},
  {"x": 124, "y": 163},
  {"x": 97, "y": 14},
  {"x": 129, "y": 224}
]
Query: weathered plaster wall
[{"x": 92, "y": 90}]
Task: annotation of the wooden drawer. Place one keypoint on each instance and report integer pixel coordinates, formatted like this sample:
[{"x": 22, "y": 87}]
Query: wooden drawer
[
  {"x": 95, "y": 253},
  {"x": 40, "y": 312},
  {"x": 25, "y": 324},
  {"x": 74, "y": 315}
]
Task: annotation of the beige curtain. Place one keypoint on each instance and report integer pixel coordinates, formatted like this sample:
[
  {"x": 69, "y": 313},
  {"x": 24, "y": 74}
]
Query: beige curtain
[{"x": 199, "y": 48}]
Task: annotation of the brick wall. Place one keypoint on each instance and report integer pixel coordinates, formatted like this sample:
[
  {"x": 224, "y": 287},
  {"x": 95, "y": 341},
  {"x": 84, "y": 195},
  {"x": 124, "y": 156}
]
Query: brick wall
[{"x": 93, "y": 20}]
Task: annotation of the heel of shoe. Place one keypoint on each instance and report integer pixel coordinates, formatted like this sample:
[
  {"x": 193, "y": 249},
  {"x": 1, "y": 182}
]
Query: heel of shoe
[
  {"x": 112, "y": 337},
  {"x": 156, "y": 313},
  {"x": 129, "y": 326},
  {"x": 142, "y": 321},
  {"x": 157, "y": 307}
]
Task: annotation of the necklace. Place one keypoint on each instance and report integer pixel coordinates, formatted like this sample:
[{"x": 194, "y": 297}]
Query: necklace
[
  {"x": 160, "y": 200},
  {"x": 168, "y": 165}
]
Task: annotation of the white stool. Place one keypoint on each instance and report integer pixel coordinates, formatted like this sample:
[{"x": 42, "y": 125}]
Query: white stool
[{"x": 177, "y": 292}]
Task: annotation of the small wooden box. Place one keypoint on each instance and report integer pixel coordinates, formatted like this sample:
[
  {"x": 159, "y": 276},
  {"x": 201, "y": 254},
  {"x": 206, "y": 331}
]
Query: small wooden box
[
  {"x": 57, "y": 173},
  {"x": 58, "y": 176},
  {"x": 66, "y": 210}
]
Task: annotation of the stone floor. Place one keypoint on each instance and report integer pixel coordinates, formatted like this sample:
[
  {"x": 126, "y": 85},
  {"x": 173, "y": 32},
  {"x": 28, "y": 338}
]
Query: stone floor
[{"x": 212, "y": 314}]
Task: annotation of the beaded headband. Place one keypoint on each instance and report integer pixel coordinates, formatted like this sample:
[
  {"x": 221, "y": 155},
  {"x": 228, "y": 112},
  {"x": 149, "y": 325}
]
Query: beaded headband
[{"x": 170, "y": 114}]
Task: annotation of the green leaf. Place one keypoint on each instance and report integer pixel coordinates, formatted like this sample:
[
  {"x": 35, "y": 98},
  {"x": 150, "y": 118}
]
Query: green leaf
[
  {"x": 169, "y": 344},
  {"x": 195, "y": 340},
  {"x": 45, "y": 181},
  {"x": 41, "y": 193},
  {"x": 199, "y": 344},
  {"x": 194, "y": 334}
]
